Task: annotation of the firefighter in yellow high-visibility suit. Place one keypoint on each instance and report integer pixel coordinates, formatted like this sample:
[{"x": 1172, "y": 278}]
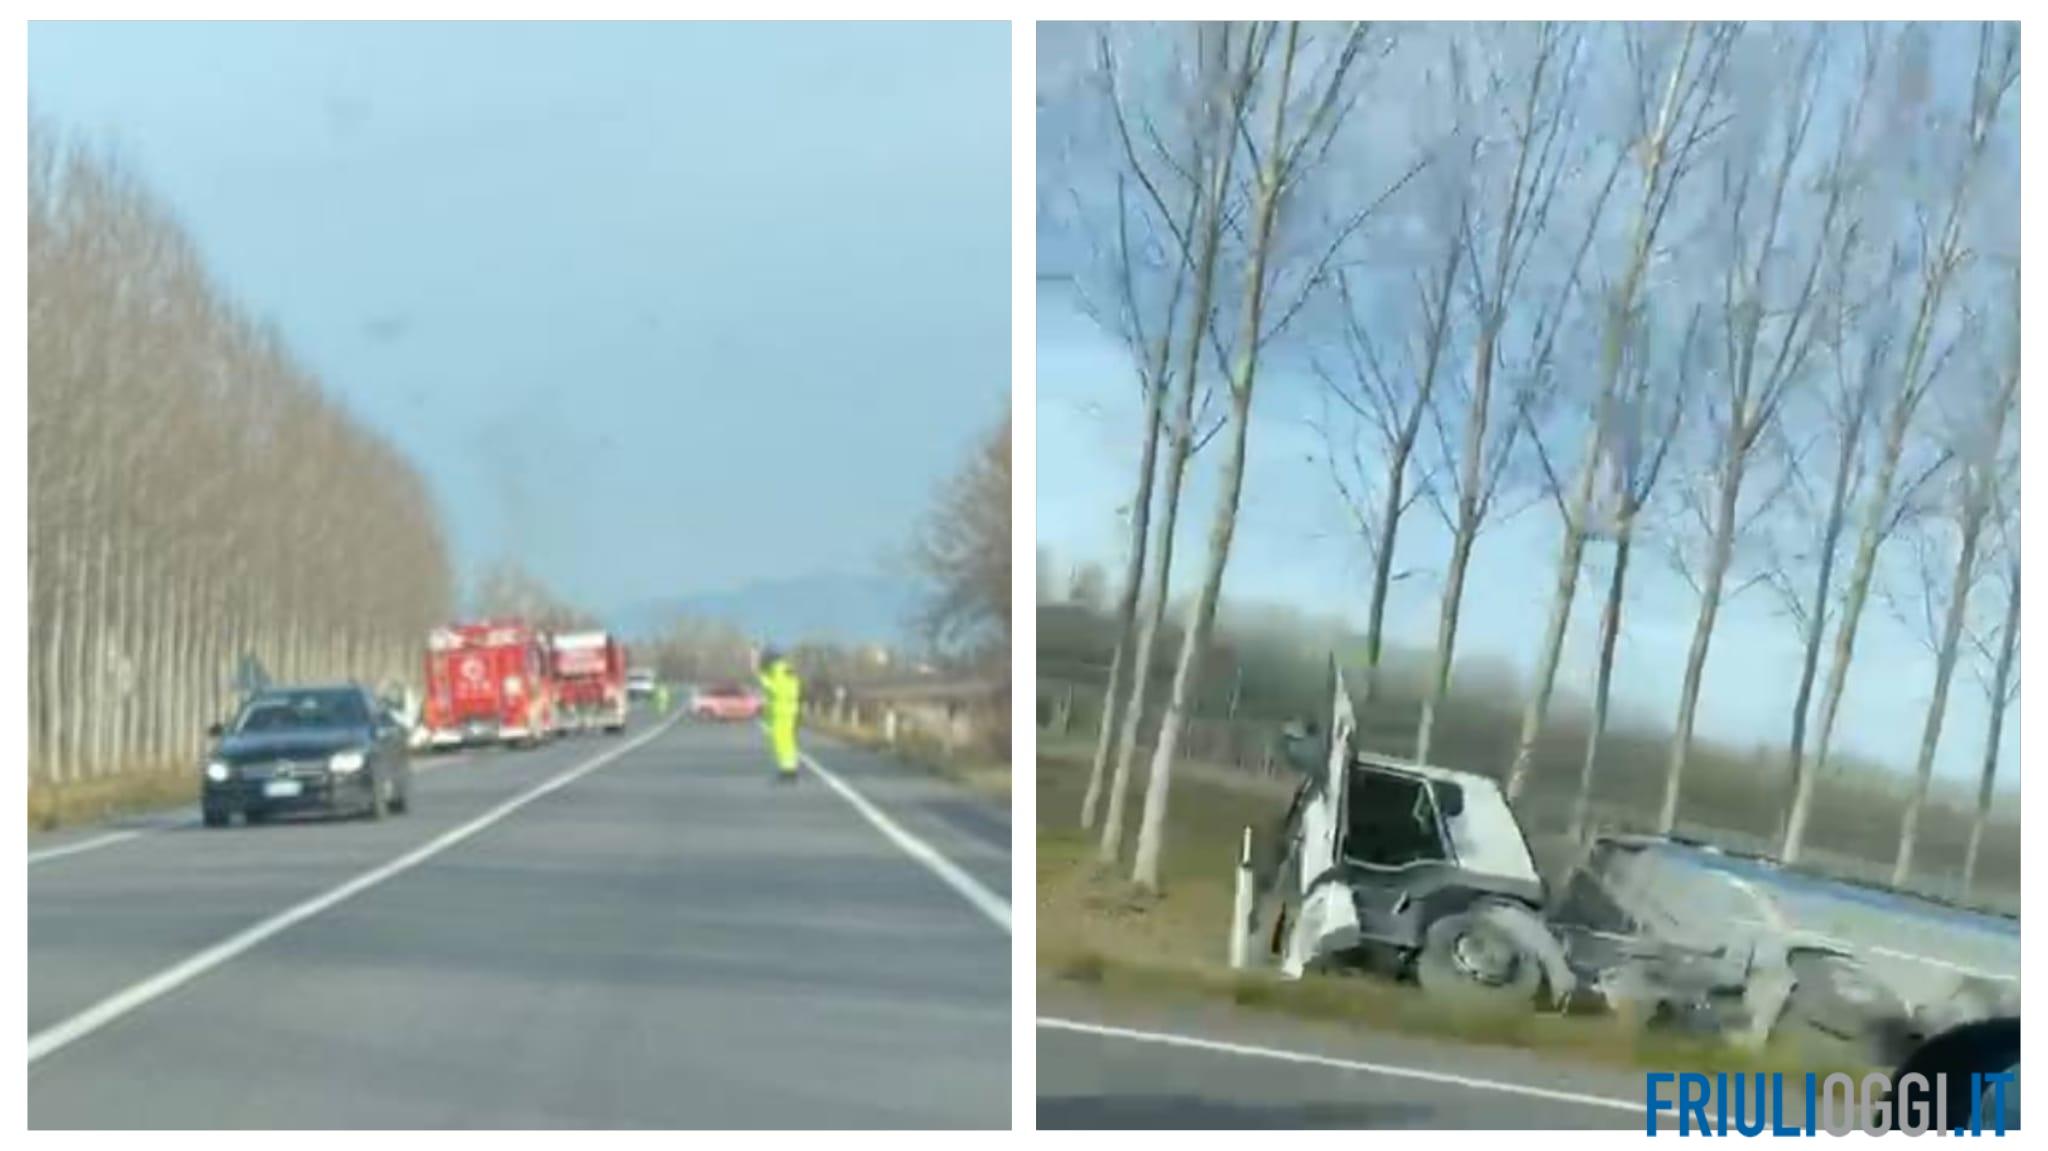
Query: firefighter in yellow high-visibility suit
[{"x": 781, "y": 702}]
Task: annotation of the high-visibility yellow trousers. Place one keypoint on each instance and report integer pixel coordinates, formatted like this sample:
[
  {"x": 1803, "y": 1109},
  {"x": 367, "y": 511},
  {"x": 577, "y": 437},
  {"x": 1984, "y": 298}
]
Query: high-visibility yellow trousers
[{"x": 782, "y": 738}]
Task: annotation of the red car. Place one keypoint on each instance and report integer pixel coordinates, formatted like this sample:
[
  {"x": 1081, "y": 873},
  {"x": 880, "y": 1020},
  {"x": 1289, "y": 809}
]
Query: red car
[{"x": 725, "y": 701}]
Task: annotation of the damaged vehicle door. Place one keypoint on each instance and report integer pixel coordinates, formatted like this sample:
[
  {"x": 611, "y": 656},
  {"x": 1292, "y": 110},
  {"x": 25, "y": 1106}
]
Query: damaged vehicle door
[{"x": 1408, "y": 870}]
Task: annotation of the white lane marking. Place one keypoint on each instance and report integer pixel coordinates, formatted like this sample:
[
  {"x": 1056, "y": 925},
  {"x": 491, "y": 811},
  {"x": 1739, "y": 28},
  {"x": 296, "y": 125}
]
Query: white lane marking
[
  {"x": 93, "y": 844},
  {"x": 1169, "y": 1039},
  {"x": 112, "y": 838},
  {"x": 61, "y": 1035},
  {"x": 994, "y": 906}
]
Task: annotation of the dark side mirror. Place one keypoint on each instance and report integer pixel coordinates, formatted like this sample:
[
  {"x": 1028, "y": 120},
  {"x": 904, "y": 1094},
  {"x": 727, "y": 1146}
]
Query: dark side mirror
[
  {"x": 1450, "y": 799},
  {"x": 215, "y": 730}
]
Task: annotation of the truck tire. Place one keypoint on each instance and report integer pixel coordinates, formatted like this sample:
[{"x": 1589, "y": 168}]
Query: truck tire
[{"x": 1472, "y": 967}]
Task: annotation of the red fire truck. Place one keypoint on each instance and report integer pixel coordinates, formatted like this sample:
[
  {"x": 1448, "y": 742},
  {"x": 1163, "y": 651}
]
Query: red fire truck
[
  {"x": 489, "y": 682},
  {"x": 590, "y": 680}
]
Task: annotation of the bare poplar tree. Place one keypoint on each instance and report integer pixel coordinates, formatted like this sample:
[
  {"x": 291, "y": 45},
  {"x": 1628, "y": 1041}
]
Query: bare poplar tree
[
  {"x": 1670, "y": 120},
  {"x": 1503, "y": 219}
]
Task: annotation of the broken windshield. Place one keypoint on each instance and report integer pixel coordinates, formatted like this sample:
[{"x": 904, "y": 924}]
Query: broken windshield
[{"x": 1391, "y": 820}]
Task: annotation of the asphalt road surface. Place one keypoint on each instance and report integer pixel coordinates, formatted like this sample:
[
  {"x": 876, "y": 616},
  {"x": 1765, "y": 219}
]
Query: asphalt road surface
[
  {"x": 1194, "y": 1066},
  {"x": 640, "y": 931}
]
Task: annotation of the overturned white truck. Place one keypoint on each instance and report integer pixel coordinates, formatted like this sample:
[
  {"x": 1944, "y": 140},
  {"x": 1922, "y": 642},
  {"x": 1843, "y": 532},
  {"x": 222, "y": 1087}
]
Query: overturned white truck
[{"x": 1423, "y": 873}]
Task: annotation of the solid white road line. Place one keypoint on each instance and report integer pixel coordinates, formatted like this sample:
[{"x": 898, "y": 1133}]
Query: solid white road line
[
  {"x": 994, "y": 906},
  {"x": 1169, "y": 1039},
  {"x": 61, "y": 1035},
  {"x": 93, "y": 844}
]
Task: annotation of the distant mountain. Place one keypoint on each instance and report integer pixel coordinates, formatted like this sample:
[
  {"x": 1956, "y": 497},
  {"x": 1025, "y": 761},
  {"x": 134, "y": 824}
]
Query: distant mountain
[{"x": 831, "y": 607}]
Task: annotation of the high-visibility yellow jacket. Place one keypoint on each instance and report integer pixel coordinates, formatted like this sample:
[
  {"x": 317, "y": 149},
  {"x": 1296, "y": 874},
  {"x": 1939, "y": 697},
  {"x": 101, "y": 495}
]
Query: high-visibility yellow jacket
[{"x": 781, "y": 694}]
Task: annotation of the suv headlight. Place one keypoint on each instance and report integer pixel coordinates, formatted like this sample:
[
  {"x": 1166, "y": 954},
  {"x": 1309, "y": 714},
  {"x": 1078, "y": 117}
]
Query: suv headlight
[
  {"x": 218, "y": 772},
  {"x": 346, "y": 761}
]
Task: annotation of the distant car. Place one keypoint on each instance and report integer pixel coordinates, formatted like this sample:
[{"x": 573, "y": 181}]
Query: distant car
[
  {"x": 330, "y": 748},
  {"x": 639, "y": 684},
  {"x": 726, "y": 701}
]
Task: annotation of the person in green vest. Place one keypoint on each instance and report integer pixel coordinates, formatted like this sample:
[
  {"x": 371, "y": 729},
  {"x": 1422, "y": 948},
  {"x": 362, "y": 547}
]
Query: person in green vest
[
  {"x": 781, "y": 702},
  {"x": 661, "y": 698}
]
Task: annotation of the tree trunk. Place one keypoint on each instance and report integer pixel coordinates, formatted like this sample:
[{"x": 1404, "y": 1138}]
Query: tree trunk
[
  {"x": 2001, "y": 683},
  {"x": 1571, "y": 556},
  {"x": 1383, "y": 561},
  {"x": 1876, "y": 512},
  {"x": 61, "y": 763},
  {"x": 1134, "y": 578},
  {"x": 1703, "y": 626},
  {"x": 1152, "y": 825},
  {"x": 1817, "y": 613},
  {"x": 1446, "y": 643},
  {"x": 1937, "y": 706},
  {"x": 1603, "y": 675},
  {"x": 1472, "y": 467}
]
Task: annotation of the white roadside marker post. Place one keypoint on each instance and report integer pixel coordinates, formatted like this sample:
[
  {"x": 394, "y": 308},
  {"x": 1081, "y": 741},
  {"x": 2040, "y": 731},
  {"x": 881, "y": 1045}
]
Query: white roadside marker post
[{"x": 1241, "y": 906}]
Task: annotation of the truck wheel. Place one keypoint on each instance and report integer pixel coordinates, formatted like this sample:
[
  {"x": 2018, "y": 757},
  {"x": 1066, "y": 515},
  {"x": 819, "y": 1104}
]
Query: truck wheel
[{"x": 1473, "y": 967}]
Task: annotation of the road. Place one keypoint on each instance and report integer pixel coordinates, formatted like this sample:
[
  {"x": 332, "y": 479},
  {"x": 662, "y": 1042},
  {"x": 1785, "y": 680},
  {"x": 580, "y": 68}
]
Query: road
[
  {"x": 1195, "y": 1065},
  {"x": 638, "y": 932}
]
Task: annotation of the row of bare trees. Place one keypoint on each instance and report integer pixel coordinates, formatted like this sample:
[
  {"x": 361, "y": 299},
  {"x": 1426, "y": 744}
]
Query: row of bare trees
[
  {"x": 1748, "y": 294},
  {"x": 198, "y": 505}
]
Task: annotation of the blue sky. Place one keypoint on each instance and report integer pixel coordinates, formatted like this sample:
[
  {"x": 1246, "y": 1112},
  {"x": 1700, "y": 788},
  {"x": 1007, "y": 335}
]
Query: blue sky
[{"x": 660, "y": 309}]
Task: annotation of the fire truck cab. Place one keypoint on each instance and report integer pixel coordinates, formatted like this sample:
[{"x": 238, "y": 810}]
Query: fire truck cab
[
  {"x": 488, "y": 683},
  {"x": 590, "y": 680}
]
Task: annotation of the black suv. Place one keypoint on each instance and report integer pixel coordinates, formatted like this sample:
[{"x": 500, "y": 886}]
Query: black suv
[{"x": 332, "y": 749}]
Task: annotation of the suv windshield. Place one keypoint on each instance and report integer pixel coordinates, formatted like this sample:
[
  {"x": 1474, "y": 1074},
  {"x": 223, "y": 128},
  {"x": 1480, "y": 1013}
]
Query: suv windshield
[{"x": 301, "y": 710}]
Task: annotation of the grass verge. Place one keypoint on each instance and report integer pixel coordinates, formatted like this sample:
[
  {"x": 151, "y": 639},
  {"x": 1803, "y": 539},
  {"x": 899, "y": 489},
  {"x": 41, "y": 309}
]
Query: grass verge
[
  {"x": 987, "y": 777},
  {"x": 52, "y": 806}
]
